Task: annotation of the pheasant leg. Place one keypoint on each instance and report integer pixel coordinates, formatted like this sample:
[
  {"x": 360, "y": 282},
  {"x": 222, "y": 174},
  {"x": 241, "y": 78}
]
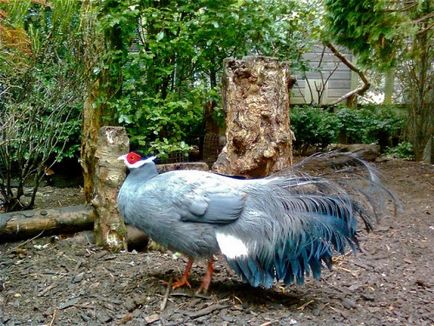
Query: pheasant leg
[
  {"x": 206, "y": 281},
  {"x": 184, "y": 279}
]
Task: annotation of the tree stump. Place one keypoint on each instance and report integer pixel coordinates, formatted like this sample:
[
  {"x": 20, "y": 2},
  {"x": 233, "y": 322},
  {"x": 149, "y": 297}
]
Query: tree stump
[
  {"x": 110, "y": 231},
  {"x": 256, "y": 102}
]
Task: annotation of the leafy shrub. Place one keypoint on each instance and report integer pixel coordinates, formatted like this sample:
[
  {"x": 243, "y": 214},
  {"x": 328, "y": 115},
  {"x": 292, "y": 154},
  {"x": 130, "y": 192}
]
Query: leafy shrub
[
  {"x": 41, "y": 91},
  {"x": 314, "y": 126},
  {"x": 162, "y": 127},
  {"x": 403, "y": 150},
  {"x": 369, "y": 124},
  {"x": 167, "y": 57}
]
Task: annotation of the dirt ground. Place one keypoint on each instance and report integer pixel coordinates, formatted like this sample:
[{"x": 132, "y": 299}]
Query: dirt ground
[{"x": 69, "y": 281}]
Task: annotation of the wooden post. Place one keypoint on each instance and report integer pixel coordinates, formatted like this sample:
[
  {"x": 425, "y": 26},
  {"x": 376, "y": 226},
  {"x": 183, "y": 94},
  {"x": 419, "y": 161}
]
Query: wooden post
[
  {"x": 110, "y": 229},
  {"x": 256, "y": 102}
]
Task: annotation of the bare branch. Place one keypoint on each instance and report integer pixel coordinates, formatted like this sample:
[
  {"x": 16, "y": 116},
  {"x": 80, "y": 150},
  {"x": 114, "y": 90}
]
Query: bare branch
[
  {"x": 359, "y": 90},
  {"x": 426, "y": 29},
  {"x": 420, "y": 19},
  {"x": 405, "y": 8}
]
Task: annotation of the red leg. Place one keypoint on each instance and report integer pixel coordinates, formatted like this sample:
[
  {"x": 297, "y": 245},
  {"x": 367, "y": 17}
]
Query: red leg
[
  {"x": 206, "y": 281},
  {"x": 184, "y": 279}
]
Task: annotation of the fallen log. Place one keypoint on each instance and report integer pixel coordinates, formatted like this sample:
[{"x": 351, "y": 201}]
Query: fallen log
[
  {"x": 43, "y": 222},
  {"x": 201, "y": 166},
  {"x": 25, "y": 224},
  {"x": 21, "y": 225}
]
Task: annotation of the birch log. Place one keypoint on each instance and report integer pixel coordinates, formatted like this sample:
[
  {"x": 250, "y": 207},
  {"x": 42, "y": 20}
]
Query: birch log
[{"x": 110, "y": 231}]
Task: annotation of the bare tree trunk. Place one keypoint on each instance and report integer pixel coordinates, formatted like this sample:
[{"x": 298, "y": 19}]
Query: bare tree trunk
[
  {"x": 419, "y": 75},
  {"x": 89, "y": 136},
  {"x": 389, "y": 79},
  {"x": 110, "y": 229},
  {"x": 210, "y": 149},
  {"x": 256, "y": 101}
]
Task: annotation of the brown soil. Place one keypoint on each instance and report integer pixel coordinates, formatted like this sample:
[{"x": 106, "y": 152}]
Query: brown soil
[{"x": 69, "y": 281}]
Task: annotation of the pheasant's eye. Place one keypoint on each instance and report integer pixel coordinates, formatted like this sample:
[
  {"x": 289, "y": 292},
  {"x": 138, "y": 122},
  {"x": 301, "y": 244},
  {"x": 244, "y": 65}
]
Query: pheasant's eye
[{"x": 133, "y": 157}]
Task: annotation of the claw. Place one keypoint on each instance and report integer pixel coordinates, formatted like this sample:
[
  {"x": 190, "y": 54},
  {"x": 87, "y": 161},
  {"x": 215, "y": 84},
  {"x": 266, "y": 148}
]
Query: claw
[
  {"x": 183, "y": 281},
  {"x": 206, "y": 281}
]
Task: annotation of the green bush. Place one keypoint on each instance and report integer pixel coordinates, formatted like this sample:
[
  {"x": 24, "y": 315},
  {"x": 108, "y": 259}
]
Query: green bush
[
  {"x": 42, "y": 84},
  {"x": 314, "y": 126},
  {"x": 161, "y": 126},
  {"x": 368, "y": 124},
  {"x": 403, "y": 150}
]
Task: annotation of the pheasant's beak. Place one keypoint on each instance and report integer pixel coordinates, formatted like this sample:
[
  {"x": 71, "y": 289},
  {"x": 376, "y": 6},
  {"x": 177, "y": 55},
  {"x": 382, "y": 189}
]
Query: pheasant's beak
[{"x": 122, "y": 157}]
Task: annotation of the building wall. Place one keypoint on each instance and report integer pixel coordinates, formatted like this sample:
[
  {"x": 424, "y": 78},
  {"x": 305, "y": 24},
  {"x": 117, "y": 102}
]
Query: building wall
[{"x": 331, "y": 70}]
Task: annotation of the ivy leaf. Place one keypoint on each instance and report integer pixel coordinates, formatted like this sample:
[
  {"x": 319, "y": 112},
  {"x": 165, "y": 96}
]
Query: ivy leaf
[{"x": 160, "y": 36}]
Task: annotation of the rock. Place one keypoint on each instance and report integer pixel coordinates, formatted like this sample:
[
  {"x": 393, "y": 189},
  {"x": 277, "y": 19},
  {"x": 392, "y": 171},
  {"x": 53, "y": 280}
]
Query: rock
[
  {"x": 367, "y": 297},
  {"x": 368, "y": 152},
  {"x": 152, "y": 318},
  {"x": 348, "y": 304},
  {"x": 103, "y": 317},
  {"x": 78, "y": 278}
]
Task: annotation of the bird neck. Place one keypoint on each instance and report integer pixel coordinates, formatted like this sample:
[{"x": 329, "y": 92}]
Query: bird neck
[{"x": 145, "y": 172}]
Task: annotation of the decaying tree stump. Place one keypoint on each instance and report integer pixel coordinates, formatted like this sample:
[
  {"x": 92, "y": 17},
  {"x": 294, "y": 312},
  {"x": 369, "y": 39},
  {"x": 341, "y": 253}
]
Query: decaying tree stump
[
  {"x": 110, "y": 229},
  {"x": 256, "y": 102}
]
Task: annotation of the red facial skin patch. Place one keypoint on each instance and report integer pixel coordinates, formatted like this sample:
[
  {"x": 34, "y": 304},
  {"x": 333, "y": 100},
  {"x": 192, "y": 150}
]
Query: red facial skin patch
[{"x": 133, "y": 157}]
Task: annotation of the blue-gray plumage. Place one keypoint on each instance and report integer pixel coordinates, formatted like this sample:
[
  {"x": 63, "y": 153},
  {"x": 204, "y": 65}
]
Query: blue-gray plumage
[{"x": 276, "y": 228}]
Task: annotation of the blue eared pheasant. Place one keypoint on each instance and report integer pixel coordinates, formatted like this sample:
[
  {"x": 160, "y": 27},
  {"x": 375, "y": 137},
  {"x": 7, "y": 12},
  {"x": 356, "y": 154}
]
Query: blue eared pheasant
[{"x": 282, "y": 227}]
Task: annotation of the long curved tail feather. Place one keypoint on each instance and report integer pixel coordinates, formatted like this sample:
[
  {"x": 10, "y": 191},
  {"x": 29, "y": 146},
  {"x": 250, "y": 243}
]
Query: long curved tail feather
[{"x": 306, "y": 219}]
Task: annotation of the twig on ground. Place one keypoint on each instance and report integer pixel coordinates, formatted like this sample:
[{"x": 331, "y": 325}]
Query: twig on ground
[
  {"x": 267, "y": 323},
  {"x": 342, "y": 313},
  {"x": 166, "y": 296},
  {"x": 183, "y": 294},
  {"x": 238, "y": 299},
  {"x": 27, "y": 241},
  {"x": 362, "y": 266},
  {"x": 53, "y": 318},
  {"x": 207, "y": 310},
  {"x": 48, "y": 288},
  {"x": 347, "y": 270},
  {"x": 304, "y": 305}
]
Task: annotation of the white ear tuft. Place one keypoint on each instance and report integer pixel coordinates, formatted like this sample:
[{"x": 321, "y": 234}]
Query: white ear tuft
[{"x": 149, "y": 159}]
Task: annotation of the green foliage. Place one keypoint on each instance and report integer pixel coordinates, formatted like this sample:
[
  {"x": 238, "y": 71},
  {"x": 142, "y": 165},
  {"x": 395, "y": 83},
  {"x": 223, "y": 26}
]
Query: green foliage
[
  {"x": 403, "y": 150},
  {"x": 367, "y": 28},
  {"x": 47, "y": 76},
  {"x": 41, "y": 93},
  {"x": 160, "y": 125},
  {"x": 164, "y": 59},
  {"x": 314, "y": 126},
  {"x": 369, "y": 124},
  {"x": 399, "y": 34},
  {"x": 381, "y": 125}
]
